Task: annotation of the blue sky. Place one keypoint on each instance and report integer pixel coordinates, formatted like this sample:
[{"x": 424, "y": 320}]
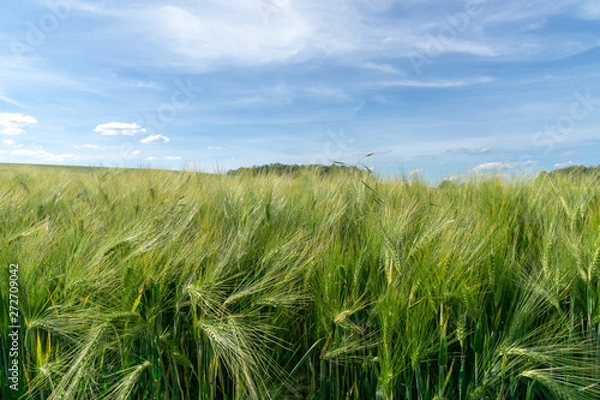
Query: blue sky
[{"x": 437, "y": 87}]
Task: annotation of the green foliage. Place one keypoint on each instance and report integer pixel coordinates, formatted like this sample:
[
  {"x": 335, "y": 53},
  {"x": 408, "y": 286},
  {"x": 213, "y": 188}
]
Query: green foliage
[
  {"x": 574, "y": 171},
  {"x": 139, "y": 284},
  {"x": 286, "y": 169}
]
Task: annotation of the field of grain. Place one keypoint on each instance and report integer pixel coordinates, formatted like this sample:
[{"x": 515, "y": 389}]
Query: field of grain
[{"x": 147, "y": 284}]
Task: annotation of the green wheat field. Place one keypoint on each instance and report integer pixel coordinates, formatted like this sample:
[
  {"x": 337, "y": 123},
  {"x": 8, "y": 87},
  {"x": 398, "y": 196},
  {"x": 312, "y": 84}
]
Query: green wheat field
[{"x": 150, "y": 284}]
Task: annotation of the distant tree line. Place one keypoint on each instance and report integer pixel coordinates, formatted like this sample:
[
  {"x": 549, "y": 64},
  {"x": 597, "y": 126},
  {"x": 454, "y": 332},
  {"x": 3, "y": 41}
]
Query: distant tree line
[
  {"x": 573, "y": 170},
  {"x": 294, "y": 169}
]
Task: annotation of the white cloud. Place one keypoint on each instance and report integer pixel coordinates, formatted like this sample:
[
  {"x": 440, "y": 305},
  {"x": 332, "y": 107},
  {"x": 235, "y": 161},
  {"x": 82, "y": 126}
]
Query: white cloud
[
  {"x": 151, "y": 158},
  {"x": 240, "y": 30},
  {"x": 8, "y": 142},
  {"x": 563, "y": 165},
  {"x": 502, "y": 166},
  {"x": 14, "y": 124},
  {"x": 155, "y": 139},
  {"x": 427, "y": 43},
  {"x": 43, "y": 155},
  {"x": 92, "y": 147},
  {"x": 119, "y": 128},
  {"x": 146, "y": 85},
  {"x": 213, "y": 148},
  {"x": 126, "y": 152},
  {"x": 172, "y": 158},
  {"x": 386, "y": 68},
  {"x": 436, "y": 84}
]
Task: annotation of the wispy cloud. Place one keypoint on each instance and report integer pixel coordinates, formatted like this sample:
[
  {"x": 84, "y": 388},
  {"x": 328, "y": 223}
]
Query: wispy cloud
[
  {"x": 119, "y": 128},
  {"x": 563, "y": 165},
  {"x": 435, "y": 83},
  {"x": 152, "y": 139},
  {"x": 211, "y": 32},
  {"x": 92, "y": 147},
  {"x": 383, "y": 67},
  {"x": 458, "y": 46},
  {"x": 146, "y": 85},
  {"x": 205, "y": 34},
  {"x": 470, "y": 151},
  {"x": 15, "y": 124},
  {"x": 11, "y": 101},
  {"x": 172, "y": 158},
  {"x": 458, "y": 151},
  {"x": 200, "y": 35},
  {"x": 328, "y": 93},
  {"x": 43, "y": 155},
  {"x": 502, "y": 166}
]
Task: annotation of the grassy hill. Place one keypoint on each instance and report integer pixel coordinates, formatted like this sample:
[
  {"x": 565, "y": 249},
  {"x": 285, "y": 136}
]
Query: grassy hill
[{"x": 144, "y": 284}]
